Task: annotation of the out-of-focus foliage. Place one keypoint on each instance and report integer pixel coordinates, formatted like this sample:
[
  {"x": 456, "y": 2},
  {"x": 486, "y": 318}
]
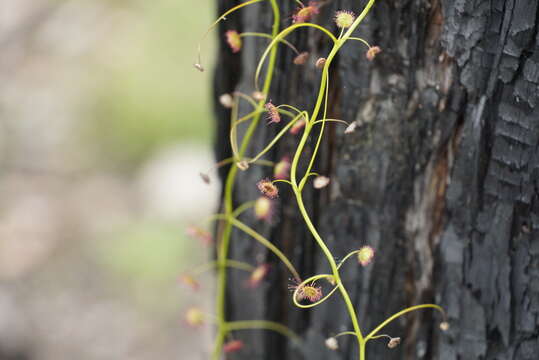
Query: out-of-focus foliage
[
  {"x": 104, "y": 126},
  {"x": 147, "y": 91}
]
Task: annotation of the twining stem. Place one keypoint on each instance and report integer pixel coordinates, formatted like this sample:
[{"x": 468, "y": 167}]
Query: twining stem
[
  {"x": 362, "y": 350},
  {"x": 333, "y": 265},
  {"x": 230, "y": 180},
  {"x": 282, "y": 35},
  {"x": 322, "y": 95},
  {"x": 228, "y": 191},
  {"x": 321, "y": 133},
  {"x": 234, "y": 126},
  {"x": 299, "y": 198}
]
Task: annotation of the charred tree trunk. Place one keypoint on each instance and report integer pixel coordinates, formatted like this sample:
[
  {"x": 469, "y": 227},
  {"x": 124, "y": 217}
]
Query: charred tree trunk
[{"x": 441, "y": 177}]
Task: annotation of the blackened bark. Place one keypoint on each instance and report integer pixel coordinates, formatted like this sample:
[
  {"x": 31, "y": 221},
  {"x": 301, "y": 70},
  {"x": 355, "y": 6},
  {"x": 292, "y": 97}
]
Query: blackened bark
[{"x": 441, "y": 177}]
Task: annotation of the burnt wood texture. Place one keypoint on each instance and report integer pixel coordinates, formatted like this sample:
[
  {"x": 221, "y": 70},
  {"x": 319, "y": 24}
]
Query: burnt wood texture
[{"x": 440, "y": 177}]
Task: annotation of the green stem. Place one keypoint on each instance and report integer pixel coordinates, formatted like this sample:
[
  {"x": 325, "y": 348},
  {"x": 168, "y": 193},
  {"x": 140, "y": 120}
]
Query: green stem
[
  {"x": 333, "y": 265},
  {"x": 299, "y": 198},
  {"x": 345, "y": 333},
  {"x": 402, "y": 312},
  {"x": 361, "y": 40},
  {"x": 282, "y": 35},
  {"x": 322, "y": 94},
  {"x": 347, "y": 257},
  {"x": 222, "y": 255},
  {"x": 264, "y": 325},
  {"x": 276, "y": 138},
  {"x": 268, "y": 36},
  {"x": 362, "y": 350},
  {"x": 240, "y": 209},
  {"x": 262, "y": 240}
]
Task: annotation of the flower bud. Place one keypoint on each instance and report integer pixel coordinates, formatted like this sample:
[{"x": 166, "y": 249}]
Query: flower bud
[
  {"x": 332, "y": 344},
  {"x": 351, "y": 128},
  {"x": 394, "y": 342},
  {"x": 234, "y": 40},
  {"x": 273, "y": 113},
  {"x": 205, "y": 237},
  {"x": 226, "y": 100},
  {"x": 205, "y": 177},
  {"x": 365, "y": 255},
  {"x": 267, "y": 188},
  {"x": 282, "y": 168},
  {"x": 320, "y": 63},
  {"x": 243, "y": 165},
  {"x": 372, "y": 52},
  {"x": 301, "y": 59},
  {"x": 190, "y": 281},
  {"x": 321, "y": 182},
  {"x": 258, "y": 95},
  {"x": 233, "y": 346},
  {"x": 264, "y": 209},
  {"x": 298, "y": 125},
  {"x": 194, "y": 317},
  {"x": 344, "y": 19},
  {"x": 310, "y": 292},
  {"x": 305, "y": 13},
  {"x": 257, "y": 275}
]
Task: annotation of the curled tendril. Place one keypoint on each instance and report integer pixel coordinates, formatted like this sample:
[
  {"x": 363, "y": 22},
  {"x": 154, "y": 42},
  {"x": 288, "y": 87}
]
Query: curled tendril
[
  {"x": 281, "y": 36},
  {"x": 198, "y": 65},
  {"x": 401, "y": 313},
  {"x": 310, "y": 280}
]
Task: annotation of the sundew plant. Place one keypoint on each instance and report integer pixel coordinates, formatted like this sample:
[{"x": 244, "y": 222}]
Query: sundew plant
[{"x": 306, "y": 291}]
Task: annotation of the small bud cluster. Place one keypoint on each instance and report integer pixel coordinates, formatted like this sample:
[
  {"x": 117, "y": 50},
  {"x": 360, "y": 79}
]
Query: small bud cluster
[
  {"x": 332, "y": 343},
  {"x": 267, "y": 188},
  {"x": 302, "y": 58},
  {"x": 365, "y": 255},
  {"x": 372, "y": 52},
  {"x": 320, "y": 63},
  {"x": 257, "y": 275},
  {"x": 344, "y": 19},
  {"x": 282, "y": 168},
  {"x": 195, "y": 317},
  {"x": 233, "y": 346},
  {"x": 321, "y": 182},
  {"x": 264, "y": 208},
  {"x": 273, "y": 113},
  {"x": 234, "y": 40},
  {"x": 202, "y": 235},
  {"x": 309, "y": 292},
  {"x": 305, "y": 13},
  {"x": 190, "y": 281},
  {"x": 394, "y": 342}
]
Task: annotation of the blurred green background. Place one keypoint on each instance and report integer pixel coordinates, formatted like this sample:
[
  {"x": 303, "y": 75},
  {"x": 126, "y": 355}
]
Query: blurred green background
[
  {"x": 104, "y": 126},
  {"x": 147, "y": 84}
]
